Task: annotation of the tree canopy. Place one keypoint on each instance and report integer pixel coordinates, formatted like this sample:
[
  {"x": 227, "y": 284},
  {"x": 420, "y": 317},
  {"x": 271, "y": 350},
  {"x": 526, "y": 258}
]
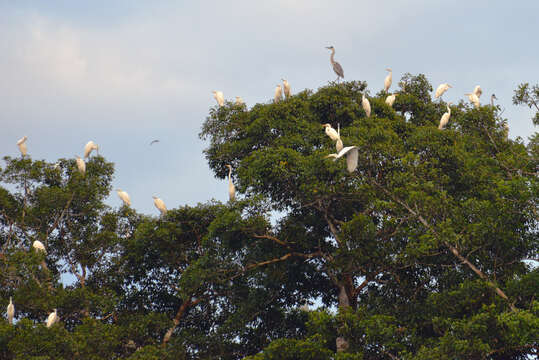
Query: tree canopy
[{"x": 427, "y": 250}]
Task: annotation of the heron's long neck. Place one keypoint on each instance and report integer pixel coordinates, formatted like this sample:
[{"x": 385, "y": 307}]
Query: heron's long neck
[
  {"x": 491, "y": 101},
  {"x": 332, "y": 54},
  {"x": 449, "y": 110},
  {"x": 229, "y": 173}
]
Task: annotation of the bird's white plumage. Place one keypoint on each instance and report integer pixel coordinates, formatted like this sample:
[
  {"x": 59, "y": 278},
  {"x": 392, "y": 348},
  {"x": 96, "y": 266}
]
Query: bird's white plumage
[
  {"x": 52, "y": 319},
  {"x": 331, "y": 132},
  {"x": 286, "y": 86},
  {"x": 473, "y": 99},
  {"x": 231, "y": 187},
  {"x": 390, "y": 100},
  {"x": 352, "y": 155},
  {"x": 441, "y": 89},
  {"x": 89, "y": 147},
  {"x": 219, "y": 97},
  {"x": 366, "y": 105},
  {"x": 339, "y": 145},
  {"x": 124, "y": 196},
  {"x": 38, "y": 246},
  {"x": 445, "y": 118},
  {"x": 10, "y": 312},
  {"x": 278, "y": 93},
  {"x": 239, "y": 100},
  {"x": 388, "y": 80},
  {"x": 22, "y": 145},
  {"x": 477, "y": 91},
  {"x": 160, "y": 205},
  {"x": 81, "y": 165}
]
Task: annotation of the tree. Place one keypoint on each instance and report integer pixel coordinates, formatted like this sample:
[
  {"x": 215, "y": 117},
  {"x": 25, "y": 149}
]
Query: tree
[{"x": 427, "y": 213}]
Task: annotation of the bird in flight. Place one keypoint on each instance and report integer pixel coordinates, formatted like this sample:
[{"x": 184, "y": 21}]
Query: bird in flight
[{"x": 154, "y": 141}]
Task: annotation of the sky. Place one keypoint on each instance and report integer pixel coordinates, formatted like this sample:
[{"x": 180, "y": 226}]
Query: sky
[{"x": 123, "y": 73}]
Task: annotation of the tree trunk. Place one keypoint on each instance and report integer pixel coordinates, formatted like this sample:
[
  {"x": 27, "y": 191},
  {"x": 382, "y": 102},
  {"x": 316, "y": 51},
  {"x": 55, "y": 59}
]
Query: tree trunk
[{"x": 344, "y": 302}]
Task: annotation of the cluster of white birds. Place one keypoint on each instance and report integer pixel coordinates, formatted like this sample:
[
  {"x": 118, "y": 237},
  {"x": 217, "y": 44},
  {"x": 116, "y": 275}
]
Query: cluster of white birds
[{"x": 53, "y": 316}]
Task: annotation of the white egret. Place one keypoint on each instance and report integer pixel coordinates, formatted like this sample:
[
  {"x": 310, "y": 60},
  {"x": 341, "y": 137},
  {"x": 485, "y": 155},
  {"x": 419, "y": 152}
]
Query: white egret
[
  {"x": 366, "y": 105},
  {"x": 231, "y": 187},
  {"x": 351, "y": 153},
  {"x": 81, "y": 165},
  {"x": 239, "y": 100},
  {"x": 331, "y": 132},
  {"x": 89, "y": 147},
  {"x": 22, "y": 145},
  {"x": 10, "y": 312},
  {"x": 52, "y": 319},
  {"x": 38, "y": 246},
  {"x": 390, "y": 100},
  {"x": 445, "y": 118},
  {"x": 505, "y": 130},
  {"x": 336, "y": 66},
  {"x": 473, "y": 99},
  {"x": 388, "y": 80},
  {"x": 160, "y": 205},
  {"x": 124, "y": 196},
  {"x": 218, "y": 95},
  {"x": 477, "y": 91},
  {"x": 441, "y": 89},
  {"x": 286, "y": 86},
  {"x": 278, "y": 93}
]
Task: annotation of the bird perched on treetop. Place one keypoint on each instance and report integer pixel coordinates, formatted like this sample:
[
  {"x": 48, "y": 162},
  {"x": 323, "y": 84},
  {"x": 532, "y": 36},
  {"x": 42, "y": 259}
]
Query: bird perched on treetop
[{"x": 336, "y": 66}]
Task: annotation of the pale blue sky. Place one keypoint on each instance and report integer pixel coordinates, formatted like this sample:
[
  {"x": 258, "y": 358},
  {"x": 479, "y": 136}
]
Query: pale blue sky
[{"x": 123, "y": 73}]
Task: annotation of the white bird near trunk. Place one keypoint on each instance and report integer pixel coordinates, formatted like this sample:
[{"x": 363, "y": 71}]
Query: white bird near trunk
[
  {"x": 474, "y": 100},
  {"x": 52, "y": 319},
  {"x": 278, "y": 94},
  {"x": 352, "y": 155},
  {"x": 286, "y": 86},
  {"x": 231, "y": 187},
  {"x": 10, "y": 312},
  {"x": 477, "y": 91},
  {"x": 366, "y": 105},
  {"x": 22, "y": 146}
]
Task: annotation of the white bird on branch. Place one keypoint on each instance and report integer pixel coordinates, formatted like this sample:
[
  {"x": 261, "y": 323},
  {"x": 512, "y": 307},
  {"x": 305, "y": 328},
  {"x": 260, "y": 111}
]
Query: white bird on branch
[
  {"x": 445, "y": 118},
  {"x": 352, "y": 155},
  {"x": 231, "y": 187},
  {"x": 366, "y": 105},
  {"x": 22, "y": 145},
  {"x": 160, "y": 205},
  {"x": 89, "y": 147},
  {"x": 218, "y": 95},
  {"x": 52, "y": 319}
]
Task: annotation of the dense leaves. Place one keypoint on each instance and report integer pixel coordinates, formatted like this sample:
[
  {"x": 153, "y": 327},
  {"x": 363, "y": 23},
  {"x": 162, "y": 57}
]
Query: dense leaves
[{"x": 427, "y": 251}]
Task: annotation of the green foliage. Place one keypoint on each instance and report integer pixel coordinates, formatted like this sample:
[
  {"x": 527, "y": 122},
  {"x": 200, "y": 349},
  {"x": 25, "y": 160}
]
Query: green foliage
[
  {"x": 529, "y": 96},
  {"x": 426, "y": 251}
]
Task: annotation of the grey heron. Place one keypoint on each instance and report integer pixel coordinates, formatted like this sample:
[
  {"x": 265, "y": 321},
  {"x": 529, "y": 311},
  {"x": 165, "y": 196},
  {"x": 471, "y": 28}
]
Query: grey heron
[{"x": 336, "y": 66}]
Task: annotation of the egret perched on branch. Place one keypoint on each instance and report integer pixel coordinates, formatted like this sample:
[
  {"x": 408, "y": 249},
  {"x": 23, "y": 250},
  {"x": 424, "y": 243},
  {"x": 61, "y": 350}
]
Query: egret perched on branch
[
  {"x": 22, "y": 145},
  {"x": 160, "y": 205},
  {"x": 278, "y": 93},
  {"x": 286, "y": 86},
  {"x": 81, "y": 165},
  {"x": 331, "y": 132},
  {"x": 336, "y": 66},
  {"x": 445, "y": 118},
  {"x": 38, "y": 246},
  {"x": 218, "y": 95},
  {"x": 388, "y": 80},
  {"x": 89, "y": 147},
  {"x": 52, "y": 319},
  {"x": 441, "y": 89},
  {"x": 351, "y": 153},
  {"x": 231, "y": 187},
  {"x": 473, "y": 99},
  {"x": 477, "y": 91},
  {"x": 124, "y": 196},
  {"x": 492, "y": 98},
  {"x": 239, "y": 101},
  {"x": 390, "y": 100},
  {"x": 10, "y": 312},
  {"x": 366, "y": 105}
]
